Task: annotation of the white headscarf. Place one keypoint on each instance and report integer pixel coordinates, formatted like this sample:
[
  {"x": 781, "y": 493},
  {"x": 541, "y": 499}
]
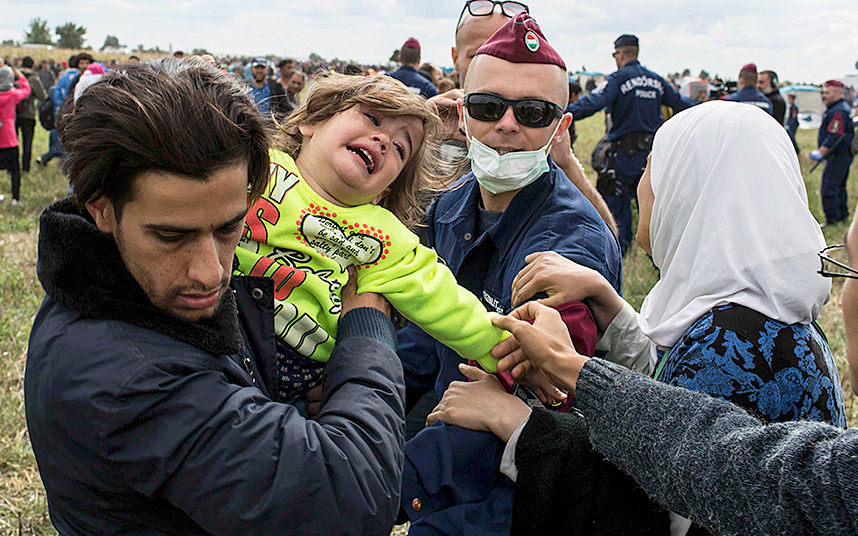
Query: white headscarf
[{"x": 730, "y": 222}]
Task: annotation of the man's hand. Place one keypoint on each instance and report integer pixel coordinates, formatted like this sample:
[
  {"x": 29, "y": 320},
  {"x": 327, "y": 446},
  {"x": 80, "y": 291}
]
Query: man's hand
[
  {"x": 351, "y": 300},
  {"x": 561, "y": 151},
  {"x": 565, "y": 281},
  {"x": 555, "y": 275},
  {"x": 545, "y": 344},
  {"x": 480, "y": 404},
  {"x": 448, "y": 110},
  {"x": 547, "y": 392},
  {"x": 313, "y": 398},
  {"x": 816, "y": 156}
]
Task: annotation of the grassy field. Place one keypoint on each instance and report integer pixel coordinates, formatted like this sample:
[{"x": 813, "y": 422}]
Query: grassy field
[{"x": 23, "y": 509}]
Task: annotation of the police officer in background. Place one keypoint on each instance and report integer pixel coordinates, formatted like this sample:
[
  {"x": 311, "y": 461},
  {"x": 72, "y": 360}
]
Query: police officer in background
[
  {"x": 792, "y": 121},
  {"x": 835, "y": 142},
  {"x": 748, "y": 92},
  {"x": 409, "y": 57},
  {"x": 633, "y": 96}
]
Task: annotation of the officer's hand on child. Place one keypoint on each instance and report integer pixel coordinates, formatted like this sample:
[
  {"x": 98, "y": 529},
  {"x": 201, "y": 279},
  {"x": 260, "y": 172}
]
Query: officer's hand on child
[{"x": 480, "y": 404}]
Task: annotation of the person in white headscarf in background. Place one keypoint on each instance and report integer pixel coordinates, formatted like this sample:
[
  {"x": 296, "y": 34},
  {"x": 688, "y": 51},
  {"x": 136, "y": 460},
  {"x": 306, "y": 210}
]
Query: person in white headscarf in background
[{"x": 724, "y": 216}]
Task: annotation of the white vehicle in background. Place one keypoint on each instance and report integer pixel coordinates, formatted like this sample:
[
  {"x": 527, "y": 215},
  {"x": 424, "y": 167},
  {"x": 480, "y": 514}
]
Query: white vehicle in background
[
  {"x": 810, "y": 105},
  {"x": 696, "y": 89}
]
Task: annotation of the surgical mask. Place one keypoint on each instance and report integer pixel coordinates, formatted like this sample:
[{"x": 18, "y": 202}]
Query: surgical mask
[{"x": 512, "y": 171}]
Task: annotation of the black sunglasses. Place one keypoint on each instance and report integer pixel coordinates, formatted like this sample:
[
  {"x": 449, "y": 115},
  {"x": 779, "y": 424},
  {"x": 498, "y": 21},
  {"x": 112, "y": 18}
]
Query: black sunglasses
[
  {"x": 846, "y": 270},
  {"x": 534, "y": 113},
  {"x": 484, "y": 8}
]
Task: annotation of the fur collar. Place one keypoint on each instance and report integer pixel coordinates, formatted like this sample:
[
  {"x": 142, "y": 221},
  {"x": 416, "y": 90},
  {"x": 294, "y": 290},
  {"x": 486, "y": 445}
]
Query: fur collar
[{"x": 79, "y": 266}]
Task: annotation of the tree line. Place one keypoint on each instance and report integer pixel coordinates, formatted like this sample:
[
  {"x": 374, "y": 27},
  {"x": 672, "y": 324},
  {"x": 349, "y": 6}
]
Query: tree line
[{"x": 68, "y": 35}]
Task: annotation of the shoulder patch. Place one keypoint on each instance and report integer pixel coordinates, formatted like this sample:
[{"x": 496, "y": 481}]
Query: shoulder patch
[{"x": 836, "y": 126}]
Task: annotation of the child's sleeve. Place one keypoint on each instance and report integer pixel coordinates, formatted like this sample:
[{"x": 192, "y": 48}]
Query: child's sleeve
[{"x": 426, "y": 293}]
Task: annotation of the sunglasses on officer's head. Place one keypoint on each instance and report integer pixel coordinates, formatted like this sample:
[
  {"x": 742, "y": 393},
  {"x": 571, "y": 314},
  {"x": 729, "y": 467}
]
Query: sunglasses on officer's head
[
  {"x": 534, "y": 113},
  {"x": 484, "y": 8}
]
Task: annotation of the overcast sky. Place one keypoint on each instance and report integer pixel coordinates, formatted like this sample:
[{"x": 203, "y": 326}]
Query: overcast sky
[{"x": 802, "y": 40}]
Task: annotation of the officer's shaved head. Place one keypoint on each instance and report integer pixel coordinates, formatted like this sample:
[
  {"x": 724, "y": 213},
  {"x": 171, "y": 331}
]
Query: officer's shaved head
[
  {"x": 471, "y": 33},
  {"x": 748, "y": 78}
]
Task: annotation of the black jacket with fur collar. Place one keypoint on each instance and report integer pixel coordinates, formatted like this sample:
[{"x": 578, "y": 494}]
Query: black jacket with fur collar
[
  {"x": 99, "y": 286},
  {"x": 143, "y": 423}
]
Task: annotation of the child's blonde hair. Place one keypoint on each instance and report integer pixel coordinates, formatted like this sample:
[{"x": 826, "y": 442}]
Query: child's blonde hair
[{"x": 424, "y": 175}]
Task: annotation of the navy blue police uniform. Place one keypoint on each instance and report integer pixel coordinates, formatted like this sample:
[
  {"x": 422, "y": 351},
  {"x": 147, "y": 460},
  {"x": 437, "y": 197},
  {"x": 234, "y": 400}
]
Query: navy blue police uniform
[
  {"x": 836, "y": 133},
  {"x": 792, "y": 125},
  {"x": 550, "y": 214},
  {"x": 751, "y": 95},
  {"x": 633, "y": 96},
  {"x": 415, "y": 81}
]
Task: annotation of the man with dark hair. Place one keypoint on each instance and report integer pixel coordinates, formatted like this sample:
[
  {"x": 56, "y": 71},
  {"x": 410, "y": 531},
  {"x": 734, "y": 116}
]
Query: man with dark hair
[
  {"x": 285, "y": 68},
  {"x": 409, "y": 58},
  {"x": 25, "y": 119},
  {"x": 268, "y": 94},
  {"x": 748, "y": 89},
  {"x": 633, "y": 96},
  {"x": 151, "y": 373},
  {"x": 294, "y": 85},
  {"x": 767, "y": 84},
  {"x": 133, "y": 59}
]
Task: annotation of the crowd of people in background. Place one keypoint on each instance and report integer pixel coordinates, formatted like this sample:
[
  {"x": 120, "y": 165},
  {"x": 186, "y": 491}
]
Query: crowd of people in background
[
  {"x": 277, "y": 83},
  {"x": 207, "y": 420}
]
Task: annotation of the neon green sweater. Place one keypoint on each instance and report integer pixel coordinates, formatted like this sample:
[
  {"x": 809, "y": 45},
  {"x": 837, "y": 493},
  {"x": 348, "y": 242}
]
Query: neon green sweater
[{"x": 305, "y": 243}]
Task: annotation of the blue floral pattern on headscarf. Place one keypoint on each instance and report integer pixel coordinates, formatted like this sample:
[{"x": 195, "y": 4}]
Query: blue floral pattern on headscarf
[{"x": 776, "y": 371}]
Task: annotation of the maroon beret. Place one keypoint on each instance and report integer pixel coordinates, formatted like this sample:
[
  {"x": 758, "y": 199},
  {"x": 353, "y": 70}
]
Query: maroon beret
[
  {"x": 750, "y": 68},
  {"x": 521, "y": 41},
  {"x": 411, "y": 43},
  {"x": 834, "y": 83}
]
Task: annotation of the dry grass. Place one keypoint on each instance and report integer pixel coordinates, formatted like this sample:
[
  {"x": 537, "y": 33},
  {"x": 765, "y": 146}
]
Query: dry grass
[
  {"x": 60, "y": 54},
  {"x": 23, "y": 509}
]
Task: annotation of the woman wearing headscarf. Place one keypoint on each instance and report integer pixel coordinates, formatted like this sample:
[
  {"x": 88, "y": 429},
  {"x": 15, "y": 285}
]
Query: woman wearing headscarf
[
  {"x": 726, "y": 221},
  {"x": 723, "y": 212}
]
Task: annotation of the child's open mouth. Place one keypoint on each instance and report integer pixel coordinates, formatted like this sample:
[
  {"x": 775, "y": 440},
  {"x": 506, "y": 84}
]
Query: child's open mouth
[{"x": 365, "y": 156}]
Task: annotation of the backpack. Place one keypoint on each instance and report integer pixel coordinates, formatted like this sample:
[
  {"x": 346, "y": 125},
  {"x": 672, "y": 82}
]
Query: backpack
[{"x": 46, "y": 114}]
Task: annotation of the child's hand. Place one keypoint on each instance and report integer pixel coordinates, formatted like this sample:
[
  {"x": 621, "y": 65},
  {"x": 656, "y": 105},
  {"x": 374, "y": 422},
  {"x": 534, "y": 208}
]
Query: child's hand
[
  {"x": 448, "y": 111},
  {"x": 351, "y": 300}
]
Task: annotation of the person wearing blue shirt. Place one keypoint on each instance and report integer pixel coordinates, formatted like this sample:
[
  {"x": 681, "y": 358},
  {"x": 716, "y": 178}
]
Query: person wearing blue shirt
[
  {"x": 633, "y": 96},
  {"x": 64, "y": 87},
  {"x": 484, "y": 228},
  {"x": 748, "y": 92},
  {"x": 409, "y": 57},
  {"x": 835, "y": 141},
  {"x": 268, "y": 94}
]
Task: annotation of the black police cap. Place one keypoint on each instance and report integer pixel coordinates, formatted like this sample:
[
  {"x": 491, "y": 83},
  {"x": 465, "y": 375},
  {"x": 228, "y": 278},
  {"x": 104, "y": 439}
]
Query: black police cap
[{"x": 626, "y": 40}]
